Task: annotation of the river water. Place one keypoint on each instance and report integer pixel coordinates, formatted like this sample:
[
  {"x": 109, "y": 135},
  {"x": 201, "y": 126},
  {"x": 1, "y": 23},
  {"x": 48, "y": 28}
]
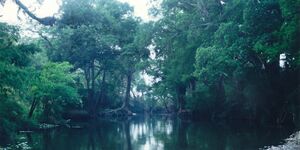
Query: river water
[{"x": 154, "y": 133}]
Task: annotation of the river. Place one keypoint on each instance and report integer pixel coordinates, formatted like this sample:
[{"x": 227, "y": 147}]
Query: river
[{"x": 153, "y": 133}]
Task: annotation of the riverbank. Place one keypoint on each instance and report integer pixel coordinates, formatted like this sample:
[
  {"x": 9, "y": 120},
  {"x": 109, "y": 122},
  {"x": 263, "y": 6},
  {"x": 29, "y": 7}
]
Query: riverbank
[{"x": 291, "y": 143}]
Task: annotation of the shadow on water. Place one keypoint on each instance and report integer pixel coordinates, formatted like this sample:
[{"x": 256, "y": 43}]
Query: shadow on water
[{"x": 156, "y": 133}]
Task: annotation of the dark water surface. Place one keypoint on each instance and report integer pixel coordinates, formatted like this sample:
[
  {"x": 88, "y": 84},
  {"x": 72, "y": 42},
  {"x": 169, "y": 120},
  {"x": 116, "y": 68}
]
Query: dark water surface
[{"x": 155, "y": 133}]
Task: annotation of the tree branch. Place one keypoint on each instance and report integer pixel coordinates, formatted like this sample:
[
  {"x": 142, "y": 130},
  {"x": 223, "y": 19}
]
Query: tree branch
[
  {"x": 2, "y": 2},
  {"x": 44, "y": 37},
  {"x": 47, "y": 21}
]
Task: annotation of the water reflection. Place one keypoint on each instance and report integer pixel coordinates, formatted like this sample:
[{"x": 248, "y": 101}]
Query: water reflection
[
  {"x": 143, "y": 133},
  {"x": 155, "y": 134}
]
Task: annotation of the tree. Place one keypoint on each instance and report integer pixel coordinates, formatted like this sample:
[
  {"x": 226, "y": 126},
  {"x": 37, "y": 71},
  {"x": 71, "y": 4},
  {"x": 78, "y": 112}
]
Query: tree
[
  {"x": 176, "y": 40},
  {"x": 104, "y": 40},
  {"x": 222, "y": 58},
  {"x": 133, "y": 53},
  {"x": 54, "y": 88},
  {"x": 15, "y": 59}
]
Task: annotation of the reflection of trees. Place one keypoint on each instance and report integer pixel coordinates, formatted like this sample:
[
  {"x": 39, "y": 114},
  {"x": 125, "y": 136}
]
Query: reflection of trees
[
  {"x": 47, "y": 140},
  {"x": 126, "y": 130},
  {"x": 145, "y": 132},
  {"x": 156, "y": 133},
  {"x": 177, "y": 138},
  {"x": 182, "y": 134},
  {"x": 91, "y": 137},
  {"x": 96, "y": 136}
]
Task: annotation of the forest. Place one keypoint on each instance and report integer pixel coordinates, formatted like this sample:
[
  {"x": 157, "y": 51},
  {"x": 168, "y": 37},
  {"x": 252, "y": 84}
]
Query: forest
[{"x": 199, "y": 59}]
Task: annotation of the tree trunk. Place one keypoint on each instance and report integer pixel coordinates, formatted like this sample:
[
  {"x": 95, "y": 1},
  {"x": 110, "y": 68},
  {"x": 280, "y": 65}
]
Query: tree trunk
[
  {"x": 193, "y": 84},
  {"x": 92, "y": 103},
  {"x": 102, "y": 92},
  {"x": 166, "y": 106},
  {"x": 180, "y": 97},
  {"x": 87, "y": 79},
  {"x": 127, "y": 94},
  {"x": 127, "y": 135},
  {"x": 181, "y": 102},
  {"x": 220, "y": 90},
  {"x": 47, "y": 112},
  {"x": 32, "y": 108},
  {"x": 220, "y": 97}
]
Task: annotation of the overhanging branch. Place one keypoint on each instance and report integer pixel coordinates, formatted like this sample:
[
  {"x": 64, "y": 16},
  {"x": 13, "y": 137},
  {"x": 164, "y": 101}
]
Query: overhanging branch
[
  {"x": 47, "y": 21},
  {"x": 2, "y": 2}
]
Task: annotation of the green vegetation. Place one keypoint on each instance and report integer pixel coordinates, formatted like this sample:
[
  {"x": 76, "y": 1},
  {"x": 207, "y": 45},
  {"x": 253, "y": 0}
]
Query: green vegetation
[
  {"x": 221, "y": 60},
  {"x": 216, "y": 60},
  {"x": 14, "y": 73},
  {"x": 26, "y": 86}
]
